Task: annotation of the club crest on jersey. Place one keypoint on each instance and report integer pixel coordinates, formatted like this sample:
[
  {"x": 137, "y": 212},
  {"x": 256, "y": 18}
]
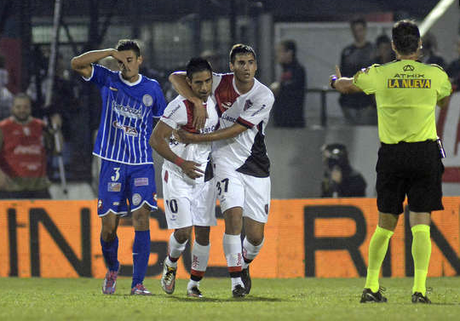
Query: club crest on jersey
[
  {"x": 130, "y": 131},
  {"x": 247, "y": 104},
  {"x": 147, "y": 100},
  {"x": 137, "y": 198}
]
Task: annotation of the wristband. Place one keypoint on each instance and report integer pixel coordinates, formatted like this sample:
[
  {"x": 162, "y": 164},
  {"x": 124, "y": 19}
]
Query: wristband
[
  {"x": 333, "y": 80},
  {"x": 179, "y": 161}
]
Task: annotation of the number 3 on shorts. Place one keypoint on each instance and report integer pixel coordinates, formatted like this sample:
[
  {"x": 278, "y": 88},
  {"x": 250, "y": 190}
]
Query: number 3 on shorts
[{"x": 223, "y": 184}]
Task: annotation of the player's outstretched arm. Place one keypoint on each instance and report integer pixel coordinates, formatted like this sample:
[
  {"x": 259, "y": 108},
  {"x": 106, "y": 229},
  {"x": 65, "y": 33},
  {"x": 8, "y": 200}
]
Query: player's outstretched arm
[
  {"x": 160, "y": 142},
  {"x": 82, "y": 63},
  {"x": 177, "y": 79},
  {"x": 343, "y": 85},
  {"x": 220, "y": 134}
]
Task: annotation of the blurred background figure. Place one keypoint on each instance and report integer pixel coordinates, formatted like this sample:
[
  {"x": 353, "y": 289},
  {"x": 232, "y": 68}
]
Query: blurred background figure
[
  {"x": 358, "y": 109},
  {"x": 24, "y": 143},
  {"x": 453, "y": 70},
  {"x": 430, "y": 53},
  {"x": 288, "y": 110},
  {"x": 215, "y": 60},
  {"x": 6, "y": 97},
  {"x": 384, "y": 53},
  {"x": 340, "y": 179}
]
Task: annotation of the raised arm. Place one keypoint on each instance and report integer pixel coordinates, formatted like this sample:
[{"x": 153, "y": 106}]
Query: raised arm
[
  {"x": 82, "y": 63},
  {"x": 343, "y": 85},
  {"x": 177, "y": 79},
  {"x": 220, "y": 134},
  {"x": 160, "y": 142}
]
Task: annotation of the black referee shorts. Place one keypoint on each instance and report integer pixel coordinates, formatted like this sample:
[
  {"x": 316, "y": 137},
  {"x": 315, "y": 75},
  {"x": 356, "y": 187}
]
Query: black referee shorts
[{"x": 412, "y": 169}]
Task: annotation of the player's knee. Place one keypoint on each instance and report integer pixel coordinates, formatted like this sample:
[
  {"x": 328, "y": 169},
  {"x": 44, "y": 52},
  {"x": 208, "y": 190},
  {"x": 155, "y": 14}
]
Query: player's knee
[
  {"x": 202, "y": 236},
  {"x": 108, "y": 234},
  {"x": 256, "y": 239},
  {"x": 183, "y": 234},
  {"x": 140, "y": 220}
]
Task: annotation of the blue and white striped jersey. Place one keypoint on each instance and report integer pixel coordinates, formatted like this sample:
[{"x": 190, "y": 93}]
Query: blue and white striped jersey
[{"x": 127, "y": 116}]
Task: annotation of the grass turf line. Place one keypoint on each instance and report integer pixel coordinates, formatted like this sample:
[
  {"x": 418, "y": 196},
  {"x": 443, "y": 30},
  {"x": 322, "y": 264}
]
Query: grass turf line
[{"x": 270, "y": 299}]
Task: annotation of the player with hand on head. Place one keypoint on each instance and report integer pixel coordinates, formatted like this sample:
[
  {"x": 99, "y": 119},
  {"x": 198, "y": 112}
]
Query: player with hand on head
[
  {"x": 130, "y": 104},
  {"x": 409, "y": 162},
  {"x": 240, "y": 160},
  {"x": 189, "y": 194}
]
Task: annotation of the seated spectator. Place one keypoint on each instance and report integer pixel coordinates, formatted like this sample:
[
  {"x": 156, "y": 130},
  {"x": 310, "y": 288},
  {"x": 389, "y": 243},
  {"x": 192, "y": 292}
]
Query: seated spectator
[
  {"x": 288, "y": 110},
  {"x": 6, "y": 97},
  {"x": 23, "y": 148},
  {"x": 430, "y": 53},
  {"x": 453, "y": 70},
  {"x": 340, "y": 179},
  {"x": 384, "y": 52}
]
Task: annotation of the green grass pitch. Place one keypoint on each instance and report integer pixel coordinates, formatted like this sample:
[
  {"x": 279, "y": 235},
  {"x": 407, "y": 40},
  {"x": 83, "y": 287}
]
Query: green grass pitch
[{"x": 270, "y": 299}]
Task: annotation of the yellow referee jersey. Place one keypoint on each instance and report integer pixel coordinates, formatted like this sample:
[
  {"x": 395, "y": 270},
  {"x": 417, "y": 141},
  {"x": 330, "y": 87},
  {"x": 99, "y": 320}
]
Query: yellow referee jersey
[{"x": 406, "y": 92}]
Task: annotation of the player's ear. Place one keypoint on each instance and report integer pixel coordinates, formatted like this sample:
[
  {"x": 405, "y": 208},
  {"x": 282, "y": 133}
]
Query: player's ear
[
  {"x": 189, "y": 81},
  {"x": 140, "y": 60},
  {"x": 230, "y": 66}
]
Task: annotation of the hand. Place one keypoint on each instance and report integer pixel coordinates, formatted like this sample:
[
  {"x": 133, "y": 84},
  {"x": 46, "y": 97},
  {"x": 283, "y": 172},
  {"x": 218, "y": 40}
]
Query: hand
[
  {"x": 333, "y": 78},
  {"x": 275, "y": 88},
  {"x": 191, "y": 169},
  {"x": 199, "y": 114},
  {"x": 183, "y": 136},
  {"x": 120, "y": 56},
  {"x": 336, "y": 175}
]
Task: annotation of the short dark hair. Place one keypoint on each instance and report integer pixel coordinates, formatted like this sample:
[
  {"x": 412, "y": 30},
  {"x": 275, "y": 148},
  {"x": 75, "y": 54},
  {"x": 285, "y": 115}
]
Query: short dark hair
[
  {"x": 289, "y": 45},
  {"x": 358, "y": 21},
  {"x": 197, "y": 64},
  {"x": 128, "y": 44},
  {"x": 241, "y": 49},
  {"x": 406, "y": 37},
  {"x": 22, "y": 96},
  {"x": 382, "y": 39}
]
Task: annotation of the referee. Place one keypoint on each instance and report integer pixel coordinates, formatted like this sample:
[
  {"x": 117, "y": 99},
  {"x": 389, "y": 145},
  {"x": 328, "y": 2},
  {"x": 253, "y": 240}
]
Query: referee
[{"x": 409, "y": 159}]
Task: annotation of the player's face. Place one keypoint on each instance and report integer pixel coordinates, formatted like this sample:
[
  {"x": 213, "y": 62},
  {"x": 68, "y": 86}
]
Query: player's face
[
  {"x": 21, "y": 109},
  {"x": 359, "y": 32},
  {"x": 244, "y": 67},
  {"x": 282, "y": 55},
  {"x": 201, "y": 84},
  {"x": 130, "y": 69}
]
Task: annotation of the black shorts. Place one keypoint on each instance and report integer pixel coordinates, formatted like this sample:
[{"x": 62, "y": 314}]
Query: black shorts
[{"x": 412, "y": 169}]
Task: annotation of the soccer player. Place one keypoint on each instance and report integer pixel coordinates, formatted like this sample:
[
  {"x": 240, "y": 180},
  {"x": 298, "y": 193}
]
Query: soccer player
[
  {"x": 241, "y": 164},
  {"x": 130, "y": 102},
  {"x": 189, "y": 195},
  {"x": 409, "y": 161}
]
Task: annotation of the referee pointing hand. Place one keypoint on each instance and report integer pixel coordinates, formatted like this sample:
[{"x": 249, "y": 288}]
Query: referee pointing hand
[{"x": 409, "y": 159}]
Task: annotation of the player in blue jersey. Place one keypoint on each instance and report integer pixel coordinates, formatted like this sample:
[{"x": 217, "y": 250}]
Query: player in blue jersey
[{"x": 130, "y": 103}]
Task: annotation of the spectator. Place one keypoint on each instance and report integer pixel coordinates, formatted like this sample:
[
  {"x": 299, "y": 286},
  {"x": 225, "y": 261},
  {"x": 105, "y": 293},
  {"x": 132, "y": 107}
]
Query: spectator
[
  {"x": 430, "y": 53},
  {"x": 454, "y": 70},
  {"x": 23, "y": 142},
  {"x": 214, "y": 59},
  {"x": 340, "y": 179},
  {"x": 384, "y": 52},
  {"x": 289, "y": 91},
  {"x": 358, "y": 109},
  {"x": 6, "y": 97}
]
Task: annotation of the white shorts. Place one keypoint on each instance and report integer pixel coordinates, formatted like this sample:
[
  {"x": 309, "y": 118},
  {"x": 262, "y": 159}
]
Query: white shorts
[
  {"x": 188, "y": 204},
  {"x": 235, "y": 189}
]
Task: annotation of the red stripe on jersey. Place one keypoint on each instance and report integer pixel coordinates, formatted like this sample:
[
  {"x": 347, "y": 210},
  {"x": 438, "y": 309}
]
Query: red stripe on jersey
[
  {"x": 225, "y": 93},
  {"x": 197, "y": 273},
  {"x": 234, "y": 269},
  {"x": 245, "y": 123},
  {"x": 189, "y": 126}
]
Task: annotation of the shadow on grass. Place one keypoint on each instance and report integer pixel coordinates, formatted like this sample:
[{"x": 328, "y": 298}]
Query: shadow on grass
[{"x": 238, "y": 300}]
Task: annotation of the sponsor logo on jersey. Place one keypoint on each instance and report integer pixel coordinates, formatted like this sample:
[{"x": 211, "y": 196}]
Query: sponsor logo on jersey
[
  {"x": 229, "y": 118},
  {"x": 227, "y": 105},
  {"x": 141, "y": 181},
  {"x": 116, "y": 203},
  {"x": 147, "y": 100},
  {"x": 259, "y": 110},
  {"x": 247, "y": 104},
  {"x": 27, "y": 150},
  {"x": 408, "y": 68},
  {"x": 409, "y": 83},
  {"x": 114, "y": 187},
  {"x": 130, "y": 131},
  {"x": 209, "y": 129},
  {"x": 126, "y": 110},
  {"x": 136, "y": 199},
  {"x": 172, "y": 112}
]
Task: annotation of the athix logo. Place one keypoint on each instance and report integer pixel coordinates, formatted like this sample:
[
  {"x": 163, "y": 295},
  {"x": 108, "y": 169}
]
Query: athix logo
[
  {"x": 408, "y": 68},
  {"x": 247, "y": 104}
]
